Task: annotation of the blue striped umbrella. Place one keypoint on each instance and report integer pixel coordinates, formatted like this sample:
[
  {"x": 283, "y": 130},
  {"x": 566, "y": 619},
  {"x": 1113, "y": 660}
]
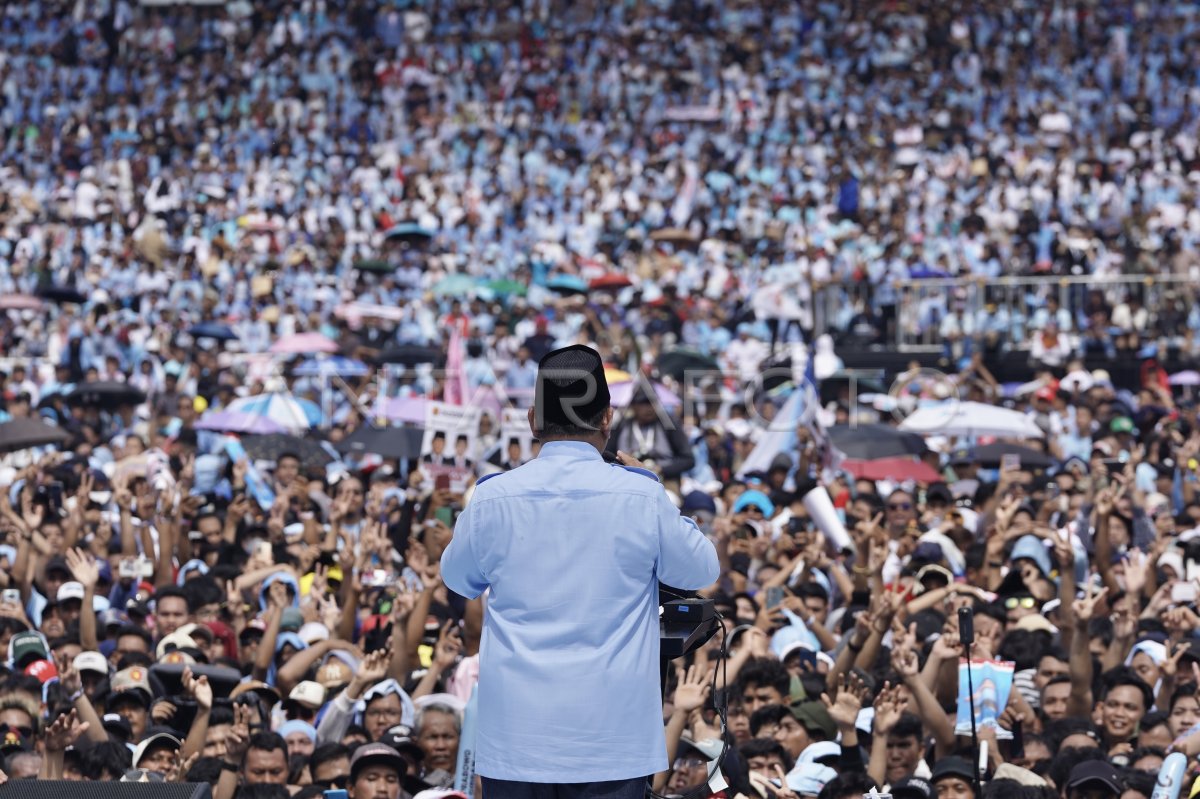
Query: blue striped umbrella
[
  {"x": 338, "y": 365},
  {"x": 285, "y": 410}
]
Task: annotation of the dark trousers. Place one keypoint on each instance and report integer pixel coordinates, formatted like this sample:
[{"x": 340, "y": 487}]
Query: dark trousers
[{"x": 612, "y": 789}]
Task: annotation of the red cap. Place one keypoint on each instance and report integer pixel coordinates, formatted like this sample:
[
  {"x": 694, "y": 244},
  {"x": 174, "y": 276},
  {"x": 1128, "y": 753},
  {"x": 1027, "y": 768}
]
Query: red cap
[
  {"x": 44, "y": 670},
  {"x": 1045, "y": 393}
]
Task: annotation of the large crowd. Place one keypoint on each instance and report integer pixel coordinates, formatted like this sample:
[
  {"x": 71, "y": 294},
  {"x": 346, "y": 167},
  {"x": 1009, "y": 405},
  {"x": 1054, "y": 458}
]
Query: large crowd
[{"x": 206, "y": 204}]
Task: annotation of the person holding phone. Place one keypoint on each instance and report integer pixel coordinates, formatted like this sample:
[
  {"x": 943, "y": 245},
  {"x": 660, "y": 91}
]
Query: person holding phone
[{"x": 572, "y": 549}]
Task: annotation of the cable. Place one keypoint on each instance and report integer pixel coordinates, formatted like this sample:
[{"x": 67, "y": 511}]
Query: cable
[{"x": 721, "y": 705}]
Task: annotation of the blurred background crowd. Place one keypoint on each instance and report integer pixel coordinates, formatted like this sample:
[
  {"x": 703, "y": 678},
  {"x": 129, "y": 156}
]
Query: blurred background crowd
[{"x": 247, "y": 249}]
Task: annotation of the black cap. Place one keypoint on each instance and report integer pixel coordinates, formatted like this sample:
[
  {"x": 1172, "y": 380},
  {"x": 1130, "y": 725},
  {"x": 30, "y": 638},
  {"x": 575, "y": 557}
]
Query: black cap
[
  {"x": 912, "y": 788},
  {"x": 1095, "y": 771},
  {"x": 571, "y": 388},
  {"x": 376, "y": 754},
  {"x": 952, "y": 766}
]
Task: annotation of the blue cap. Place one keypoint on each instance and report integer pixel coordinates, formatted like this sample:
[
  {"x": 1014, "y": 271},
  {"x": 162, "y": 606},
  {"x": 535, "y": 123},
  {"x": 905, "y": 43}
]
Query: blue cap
[
  {"x": 698, "y": 501},
  {"x": 1030, "y": 547},
  {"x": 756, "y": 498}
]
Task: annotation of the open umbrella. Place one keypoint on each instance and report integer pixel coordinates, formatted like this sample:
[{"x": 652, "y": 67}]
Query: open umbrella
[
  {"x": 388, "y": 442},
  {"x": 21, "y": 302},
  {"x": 567, "y": 284},
  {"x": 971, "y": 419},
  {"x": 273, "y": 445},
  {"x": 292, "y": 413},
  {"x": 304, "y": 343},
  {"x": 679, "y": 361},
  {"x": 26, "y": 433},
  {"x": 338, "y": 365},
  {"x": 621, "y": 394},
  {"x": 991, "y": 455},
  {"x": 374, "y": 265},
  {"x": 680, "y": 237},
  {"x": 401, "y": 409},
  {"x": 408, "y": 231},
  {"x": 508, "y": 286},
  {"x": 214, "y": 330},
  {"x": 897, "y": 468},
  {"x": 871, "y": 441},
  {"x": 610, "y": 281},
  {"x": 1188, "y": 377},
  {"x": 227, "y": 421},
  {"x": 105, "y": 394},
  {"x": 410, "y": 355},
  {"x": 62, "y": 295},
  {"x": 836, "y": 383},
  {"x": 457, "y": 285}
]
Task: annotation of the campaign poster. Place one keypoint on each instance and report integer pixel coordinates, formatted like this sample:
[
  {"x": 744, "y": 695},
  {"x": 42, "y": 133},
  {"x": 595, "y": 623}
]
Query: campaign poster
[
  {"x": 516, "y": 439},
  {"x": 448, "y": 444},
  {"x": 993, "y": 682}
]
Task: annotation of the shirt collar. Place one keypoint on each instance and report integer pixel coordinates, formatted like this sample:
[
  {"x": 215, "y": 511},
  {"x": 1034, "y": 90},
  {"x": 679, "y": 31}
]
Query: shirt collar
[{"x": 572, "y": 449}]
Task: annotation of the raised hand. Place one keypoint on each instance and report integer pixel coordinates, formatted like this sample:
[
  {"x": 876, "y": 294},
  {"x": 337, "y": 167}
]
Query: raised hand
[
  {"x": 374, "y": 667},
  {"x": 946, "y": 647},
  {"x": 448, "y": 647},
  {"x": 906, "y": 663},
  {"x": 237, "y": 739},
  {"x": 162, "y": 712},
  {"x": 692, "y": 689},
  {"x": 1085, "y": 608},
  {"x": 843, "y": 710},
  {"x": 83, "y": 567},
  {"x": 183, "y": 765},
  {"x": 890, "y": 704},
  {"x": 1170, "y": 665},
  {"x": 277, "y": 595},
  {"x": 198, "y": 688},
  {"x": 65, "y": 730},
  {"x": 68, "y": 677}
]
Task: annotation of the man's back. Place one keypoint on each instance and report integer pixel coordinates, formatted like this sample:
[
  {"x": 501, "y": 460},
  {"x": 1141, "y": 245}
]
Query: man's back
[{"x": 572, "y": 549}]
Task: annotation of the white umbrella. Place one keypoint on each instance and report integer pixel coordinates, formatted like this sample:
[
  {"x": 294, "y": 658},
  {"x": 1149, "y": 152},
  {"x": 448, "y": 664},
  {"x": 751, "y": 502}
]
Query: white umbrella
[
  {"x": 971, "y": 419},
  {"x": 1188, "y": 377}
]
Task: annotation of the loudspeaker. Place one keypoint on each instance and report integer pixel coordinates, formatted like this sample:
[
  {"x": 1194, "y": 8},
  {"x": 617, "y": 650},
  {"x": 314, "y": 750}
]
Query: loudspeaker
[
  {"x": 57, "y": 789},
  {"x": 820, "y": 509}
]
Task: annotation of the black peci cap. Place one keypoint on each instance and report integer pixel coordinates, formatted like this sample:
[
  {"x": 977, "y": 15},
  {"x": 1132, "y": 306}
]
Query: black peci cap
[{"x": 571, "y": 389}]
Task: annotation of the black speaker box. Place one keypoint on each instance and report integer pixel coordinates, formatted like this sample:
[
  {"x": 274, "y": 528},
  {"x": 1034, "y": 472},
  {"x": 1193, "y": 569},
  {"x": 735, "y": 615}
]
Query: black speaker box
[{"x": 57, "y": 789}]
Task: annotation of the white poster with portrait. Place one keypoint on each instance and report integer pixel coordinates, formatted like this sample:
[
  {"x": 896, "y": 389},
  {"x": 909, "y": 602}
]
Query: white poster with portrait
[{"x": 449, "y": 440}]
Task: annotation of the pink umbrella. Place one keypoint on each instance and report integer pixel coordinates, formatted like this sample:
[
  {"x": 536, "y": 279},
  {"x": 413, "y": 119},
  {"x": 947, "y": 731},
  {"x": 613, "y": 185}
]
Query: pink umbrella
[
  {"x": 238, "y": 422},
  {"x": 402, "y": 409},
  {"x": 21, "y": 302},
  {"x": 304, "y": 343}
]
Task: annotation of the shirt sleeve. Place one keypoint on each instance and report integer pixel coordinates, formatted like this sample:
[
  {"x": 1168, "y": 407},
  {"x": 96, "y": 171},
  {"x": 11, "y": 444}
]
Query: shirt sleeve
[
  {"x": 686, "y": 559},
  {"x": 460, "y": 569}
]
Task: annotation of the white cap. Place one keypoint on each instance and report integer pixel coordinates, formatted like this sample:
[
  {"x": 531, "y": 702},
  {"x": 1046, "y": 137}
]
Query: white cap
[
  {"x": 308, "y": 693},
  {"x": 90, "y": 661},
  {"x": 153, "y": 739},
  {"x": 313, "y": 631},
  {"x": 70, "y": 590}
]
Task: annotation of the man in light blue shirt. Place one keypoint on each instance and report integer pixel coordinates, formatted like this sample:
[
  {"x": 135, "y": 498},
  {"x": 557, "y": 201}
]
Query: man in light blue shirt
[{"x": 571, "y": 550}]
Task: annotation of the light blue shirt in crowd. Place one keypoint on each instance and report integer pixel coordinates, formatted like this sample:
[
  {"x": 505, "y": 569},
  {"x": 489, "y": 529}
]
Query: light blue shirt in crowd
[{"x": 572, "y": 549}]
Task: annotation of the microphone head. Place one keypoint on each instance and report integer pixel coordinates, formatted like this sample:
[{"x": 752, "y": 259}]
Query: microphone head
[{"x": 966, "y": 626}]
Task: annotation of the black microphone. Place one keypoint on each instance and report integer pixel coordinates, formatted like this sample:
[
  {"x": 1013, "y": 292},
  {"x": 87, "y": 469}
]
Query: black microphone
[{"x": 966, "y": 626}]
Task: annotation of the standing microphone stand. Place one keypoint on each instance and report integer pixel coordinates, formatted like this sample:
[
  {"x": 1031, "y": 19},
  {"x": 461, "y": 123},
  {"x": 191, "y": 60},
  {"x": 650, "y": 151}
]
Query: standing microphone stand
[{"x": 966, "y": 636}]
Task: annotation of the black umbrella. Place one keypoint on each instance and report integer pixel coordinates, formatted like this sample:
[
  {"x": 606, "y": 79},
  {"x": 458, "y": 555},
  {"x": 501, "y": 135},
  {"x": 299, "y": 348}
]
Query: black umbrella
[
  {"x": 410, "y": 355},
  {"x": 831, "y": 387},
  {"x": 271, "y": 446},
  {"x": 676, "y": 362},
  {"x": 223, "y": 679},
  {"x": 214, "y": 330},
  {"x": 870, "y": 441},
  {"x": 389, "y": 442},
  {"x": 62, "y": 294},
  {"x": 105, "y": 394},
  {"x": 991, "y": 455},
  {"x": 25, "y": 433}
]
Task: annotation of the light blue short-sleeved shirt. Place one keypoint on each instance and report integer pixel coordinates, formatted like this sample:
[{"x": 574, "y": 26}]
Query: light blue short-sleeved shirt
[{"x": 572, "y": 549}]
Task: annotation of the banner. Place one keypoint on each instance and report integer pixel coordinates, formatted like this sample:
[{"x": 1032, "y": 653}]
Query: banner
[
  {"x": 514, "y": 434},
  {"x": 464, "y": 770},
  {"x": 993, "y": 680},
  {"x": 449, "y": 440}
]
